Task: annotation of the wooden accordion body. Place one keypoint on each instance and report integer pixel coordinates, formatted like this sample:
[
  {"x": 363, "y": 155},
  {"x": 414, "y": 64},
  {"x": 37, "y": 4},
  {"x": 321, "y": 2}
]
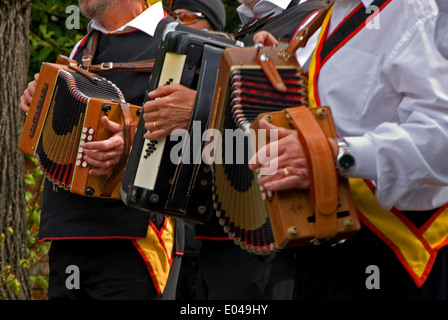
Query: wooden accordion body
[
  {"x": 264, "y": 222},
  {"x": 66, "y": 112}
]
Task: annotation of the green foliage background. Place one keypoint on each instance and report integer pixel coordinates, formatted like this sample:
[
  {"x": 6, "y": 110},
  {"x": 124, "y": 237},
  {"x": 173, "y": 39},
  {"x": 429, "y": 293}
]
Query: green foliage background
[{"x": 50, "y": 37}]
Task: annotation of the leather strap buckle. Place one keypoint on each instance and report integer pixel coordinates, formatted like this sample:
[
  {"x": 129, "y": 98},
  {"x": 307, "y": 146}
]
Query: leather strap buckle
[{"x": 107, "y": 65}]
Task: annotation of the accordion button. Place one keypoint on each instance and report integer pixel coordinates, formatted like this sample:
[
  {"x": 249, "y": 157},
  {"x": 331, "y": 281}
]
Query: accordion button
[
  {"x": 78, "y": 162},
  {"x": 83, "y": 136},
  {"x": 79, "y": 156},
  {"x": 85, "y": 129},
  {"x": 84, "y": 164},
  {"x": 91, "y": 131},
  {"x": 89, "y": 138}
]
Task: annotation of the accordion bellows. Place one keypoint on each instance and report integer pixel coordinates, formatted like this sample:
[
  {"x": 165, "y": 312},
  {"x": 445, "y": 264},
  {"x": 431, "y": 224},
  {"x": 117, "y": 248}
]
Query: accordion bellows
[{"x": 65, "y": 113}]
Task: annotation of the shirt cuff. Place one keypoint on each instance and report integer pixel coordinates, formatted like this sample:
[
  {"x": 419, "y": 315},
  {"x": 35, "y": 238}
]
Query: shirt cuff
[{"x": 365, "y": 157}]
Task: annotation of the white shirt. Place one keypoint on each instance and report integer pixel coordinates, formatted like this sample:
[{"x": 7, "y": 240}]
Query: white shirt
[
  {"x": 262, "y": 9},
  {"x": 388, "y": 91},
  {"x": 147, "y": 22}
]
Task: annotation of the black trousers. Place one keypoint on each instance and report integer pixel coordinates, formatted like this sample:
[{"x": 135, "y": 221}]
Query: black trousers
[
  {"x": 108, "y": 269},
  {"x": 228, "y": 272},
  {"x": 342, "y": 272}
]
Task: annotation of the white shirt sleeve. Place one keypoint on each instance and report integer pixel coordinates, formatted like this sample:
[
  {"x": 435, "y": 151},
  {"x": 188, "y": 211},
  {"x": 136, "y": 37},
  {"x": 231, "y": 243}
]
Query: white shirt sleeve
[{"x": 409, "y": 158}]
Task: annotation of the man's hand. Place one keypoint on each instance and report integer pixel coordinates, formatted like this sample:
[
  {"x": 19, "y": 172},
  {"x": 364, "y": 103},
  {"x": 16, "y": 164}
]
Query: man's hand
[
  {"x": 170, "y": 109},
  {"x": 281, "y": 163},
  {"x": 27, "y": 96},
  {"x": 104, "y": 155}
]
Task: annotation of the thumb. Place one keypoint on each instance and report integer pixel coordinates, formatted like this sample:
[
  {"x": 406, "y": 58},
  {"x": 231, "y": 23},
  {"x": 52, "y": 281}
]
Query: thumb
[
  {"x": 110, "y": 125},
  {"x": 272, "y": 131},
  {"x": 164, "y": 91}
]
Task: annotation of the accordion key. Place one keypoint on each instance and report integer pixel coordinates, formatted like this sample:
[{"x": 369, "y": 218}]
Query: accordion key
[
  {"x": 64, "y": 114},
  {"x": 264, "y": 222}
]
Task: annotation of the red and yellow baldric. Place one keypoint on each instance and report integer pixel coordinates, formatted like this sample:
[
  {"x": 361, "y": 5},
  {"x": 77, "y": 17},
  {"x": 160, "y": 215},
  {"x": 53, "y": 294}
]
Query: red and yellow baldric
[
  {"x": 416, "y": 248},
  {"x": 157, "y": 250}
]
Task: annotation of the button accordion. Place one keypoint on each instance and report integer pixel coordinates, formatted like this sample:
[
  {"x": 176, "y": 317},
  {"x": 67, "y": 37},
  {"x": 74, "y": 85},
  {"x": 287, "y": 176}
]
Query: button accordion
[
  {"x": 257, "y": 83},
  {"x": 153, "y": 181},
  {"x": 65, "y": 113}
]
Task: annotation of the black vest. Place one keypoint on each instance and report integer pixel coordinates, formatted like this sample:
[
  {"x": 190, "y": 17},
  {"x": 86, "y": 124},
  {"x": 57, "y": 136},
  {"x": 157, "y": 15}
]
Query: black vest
[
  {"x": 68, "y": 215},
  {"x": 285, "y": 24}
]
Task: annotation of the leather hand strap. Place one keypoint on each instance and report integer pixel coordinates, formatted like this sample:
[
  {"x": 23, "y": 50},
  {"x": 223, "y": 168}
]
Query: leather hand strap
[{"x": 322, "y": 172}]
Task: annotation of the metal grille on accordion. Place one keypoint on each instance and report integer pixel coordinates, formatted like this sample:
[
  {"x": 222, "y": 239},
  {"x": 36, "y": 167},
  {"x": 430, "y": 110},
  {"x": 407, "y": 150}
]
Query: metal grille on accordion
[
  {"x": 263, "y": 222},
  {"x": 65, "y": 113}
]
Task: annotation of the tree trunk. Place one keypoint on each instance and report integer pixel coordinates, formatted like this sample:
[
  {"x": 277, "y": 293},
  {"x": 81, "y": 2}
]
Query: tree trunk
[{"x": 14, "y": 59}]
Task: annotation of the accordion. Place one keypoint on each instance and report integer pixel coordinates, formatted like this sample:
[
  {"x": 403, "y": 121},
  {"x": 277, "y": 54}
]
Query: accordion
[
  {"x": 256, "y": 83},
  {"x": 64, "y": 114},
  {"x": 153, "y": 180}
]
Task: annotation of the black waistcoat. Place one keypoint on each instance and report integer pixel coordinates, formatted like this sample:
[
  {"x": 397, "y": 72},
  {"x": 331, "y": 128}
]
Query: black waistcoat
[
  {"x": 68, "y": 215},
  {"x": 285, "y": 24}
]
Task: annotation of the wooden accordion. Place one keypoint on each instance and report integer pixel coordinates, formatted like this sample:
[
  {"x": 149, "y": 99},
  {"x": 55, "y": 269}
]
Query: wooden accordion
[
  {"x": 153, "y": 180},
  {"x": 65, "y": 113},
  {"x": 249, "y": 89}
]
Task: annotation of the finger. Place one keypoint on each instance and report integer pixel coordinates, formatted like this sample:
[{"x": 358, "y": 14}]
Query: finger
[
  {"x": 151, "y": 116},
  {"x": 152, "y": 126},
  {"x": 167, "y": 90},
  {"x": 114, "y": 142},
  {"x": 24, "y": 106},
  {"x": 264, "y": 155},
  {"x": 27, "y": 97},
  {"x": 152, "y": 106},
  {"x": 275, "y": 175},
  {"x": 100, "y": 171},
  {"x": 31, "y": 88},
  {"x": 273, "y": 132},
  {"x": 111, "y": 125},
  {"x": 98, "y": 164},
  {"x": 287, "y": 183},
  {"x": 155, "y": 135},
  {"x": 265, "y": 38},
  {"x": 102, "y": 156}
]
